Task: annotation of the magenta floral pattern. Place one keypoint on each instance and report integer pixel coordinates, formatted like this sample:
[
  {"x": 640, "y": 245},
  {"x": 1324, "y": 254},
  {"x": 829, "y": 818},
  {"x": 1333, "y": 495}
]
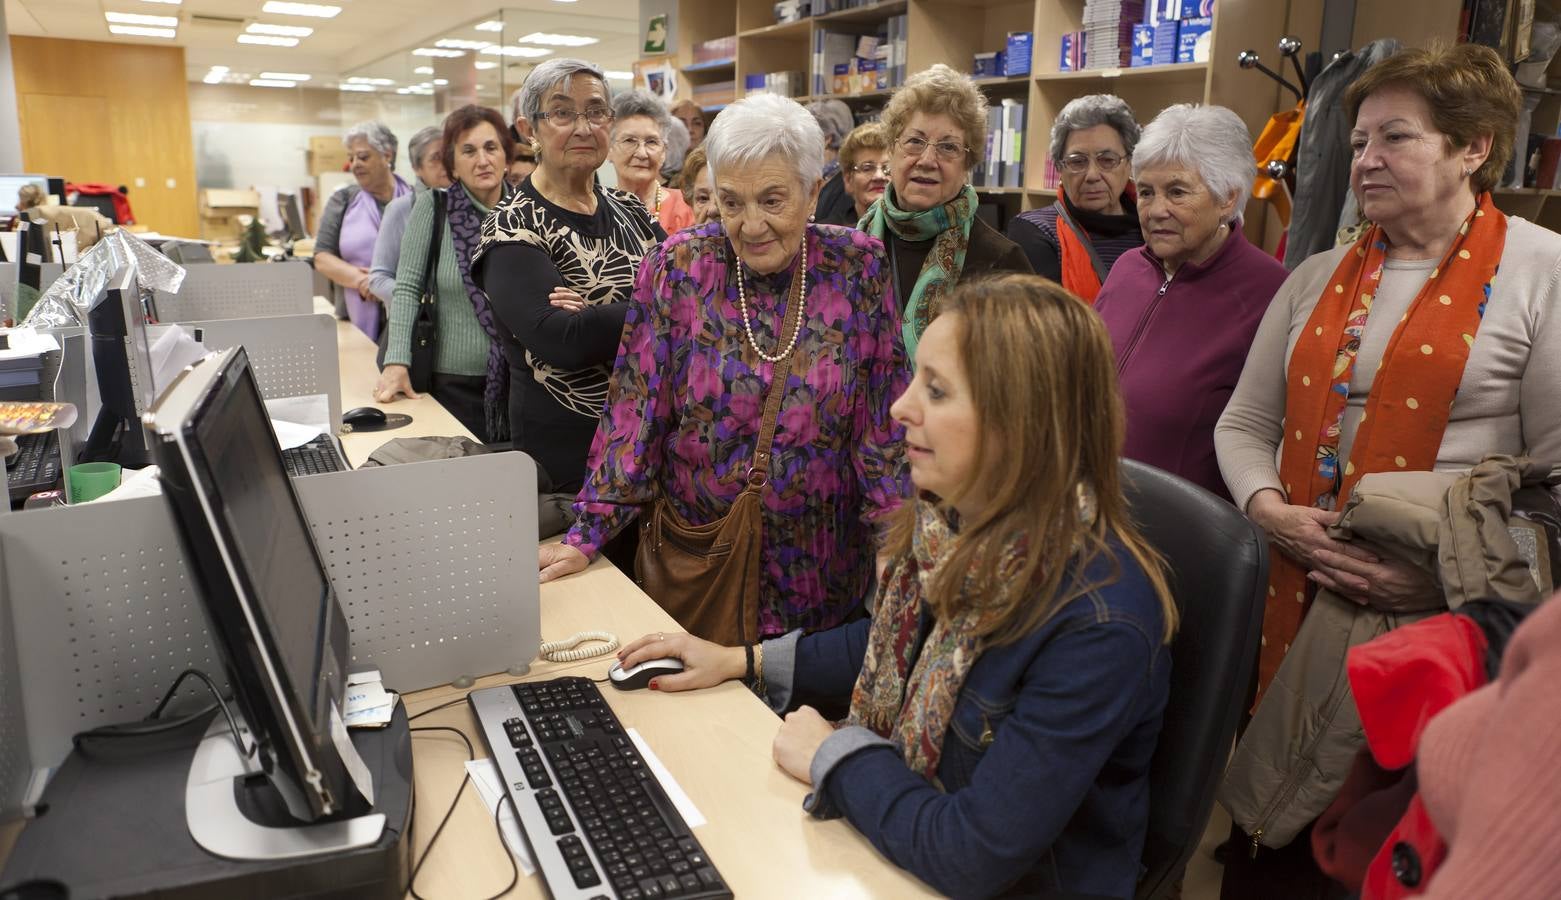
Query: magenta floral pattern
[{"x": 686, "y": 397}]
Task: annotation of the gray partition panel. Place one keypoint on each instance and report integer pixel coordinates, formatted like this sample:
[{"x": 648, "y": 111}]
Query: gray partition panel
[
  {"x": 48, "y": 272},
  {"x": 434, "y": 563},
  {"x": 15, "y": 765},
  {"x": 293, "y": 356},
  {"x": 240, "y": 291}
]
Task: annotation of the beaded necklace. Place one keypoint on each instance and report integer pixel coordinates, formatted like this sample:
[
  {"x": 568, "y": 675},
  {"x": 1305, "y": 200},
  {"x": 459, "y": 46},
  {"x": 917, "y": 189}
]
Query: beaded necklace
[{"x": 801, "y": 297}]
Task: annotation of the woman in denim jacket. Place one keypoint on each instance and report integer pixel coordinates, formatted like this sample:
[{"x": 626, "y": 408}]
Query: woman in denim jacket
[{"x": 1006, "y": 696}]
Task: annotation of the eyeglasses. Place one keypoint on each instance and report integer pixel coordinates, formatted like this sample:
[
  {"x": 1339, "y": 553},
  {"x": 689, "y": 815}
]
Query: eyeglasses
[
  {"x": 563, "y": 117},
  {"x": 1105, "y": 161},
  {"x": 948, "y": 151},
  {"x": 632, "y": 145},
  {"x": 868, "y": 168}
]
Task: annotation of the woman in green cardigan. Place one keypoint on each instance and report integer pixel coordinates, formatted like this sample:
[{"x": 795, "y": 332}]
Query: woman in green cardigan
[{"x": 470, "y": 378}]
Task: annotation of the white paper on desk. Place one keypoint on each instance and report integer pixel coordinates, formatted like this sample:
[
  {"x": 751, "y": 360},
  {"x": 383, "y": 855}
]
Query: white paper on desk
[
  {"x": 173, "y": 349},
  {"x": 289, "y": 435},
  {"x": 135, "y": 483},
  {"x": 361, "y": 697},
  {"x": 686, "y": 807},
  {"x": 311, "y": 409},
  {"x": 26, "y": 342},
  {"x": 485, "y": 775}
]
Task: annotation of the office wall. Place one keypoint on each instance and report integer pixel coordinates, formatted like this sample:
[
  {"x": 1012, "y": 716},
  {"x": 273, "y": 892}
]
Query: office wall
[{"x": 116, "y": 113}]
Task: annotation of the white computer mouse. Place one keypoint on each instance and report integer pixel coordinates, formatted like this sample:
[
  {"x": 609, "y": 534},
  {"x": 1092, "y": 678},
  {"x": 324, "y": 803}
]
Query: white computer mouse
[{"x": 636, "y": 677}]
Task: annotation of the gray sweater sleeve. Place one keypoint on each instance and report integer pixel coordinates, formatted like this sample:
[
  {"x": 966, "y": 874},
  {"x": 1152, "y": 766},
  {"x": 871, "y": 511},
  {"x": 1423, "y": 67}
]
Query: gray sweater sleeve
[
  {"x": 328, "y": 238},
  {"x": 409, "y": 279},
  {"x": 387, "y": 247}
]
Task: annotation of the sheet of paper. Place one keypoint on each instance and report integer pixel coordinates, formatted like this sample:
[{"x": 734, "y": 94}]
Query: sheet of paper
[
  {"x": 25, "y": 342},
  {"x": 675, "y": 793},
  {"x": 368, "y": 696},
  {"x": 173, "y": 349},
  {"x": 289, "y": 435},
  {"x": 312, "y": 409},
  {"x": 485, "y": 777},
  {"x": 135, "y": 483},
  {"x": 363, "y": 677},
  {"x": 356, "y": 768}
]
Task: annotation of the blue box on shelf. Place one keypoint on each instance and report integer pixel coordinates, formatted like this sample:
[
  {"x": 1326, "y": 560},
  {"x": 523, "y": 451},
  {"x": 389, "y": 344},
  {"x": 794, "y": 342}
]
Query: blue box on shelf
[
  {"x": 1071, "y": 59},
  {"x": 986, "y": 65},
  {"x": 1165, "y": 35},
  {"x": 1143, "y": 45},
  {"x": 1016, "y": 56},
  {"x": 1193, "y": 39}
]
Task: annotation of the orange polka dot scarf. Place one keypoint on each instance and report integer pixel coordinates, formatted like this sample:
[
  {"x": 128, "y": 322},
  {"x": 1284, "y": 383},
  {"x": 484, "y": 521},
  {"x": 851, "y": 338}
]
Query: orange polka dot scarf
[{"x": 1411, "y": 396}]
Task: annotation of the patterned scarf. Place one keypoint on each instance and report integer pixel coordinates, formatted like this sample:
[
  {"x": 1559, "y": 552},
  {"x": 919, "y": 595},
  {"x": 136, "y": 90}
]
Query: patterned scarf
[
  {"x": 908, "y": 686},
  {"x": 950, "y": 225},
  {"x": 1411, "y": 396},
  {"x": 465, "y": 230}
]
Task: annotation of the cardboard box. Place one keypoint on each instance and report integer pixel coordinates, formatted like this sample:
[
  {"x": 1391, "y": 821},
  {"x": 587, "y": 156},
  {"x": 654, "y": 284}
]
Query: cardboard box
[
  {"x": 1016, "y": 55},
  {"x": 1194, "y": 37},
  {"x": 326, "y": 154},
  {"x": 985, "y": 65},
  {"x": 1143, "y": 45},
  {"x": 221, "y": 211}
]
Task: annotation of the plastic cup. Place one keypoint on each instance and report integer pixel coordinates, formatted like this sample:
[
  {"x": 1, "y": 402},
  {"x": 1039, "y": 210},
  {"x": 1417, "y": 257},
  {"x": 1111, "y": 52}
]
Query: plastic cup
[{"x": 85, "y": 482}]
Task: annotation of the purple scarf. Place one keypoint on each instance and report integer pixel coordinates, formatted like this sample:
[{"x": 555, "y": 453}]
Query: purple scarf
[
  {"x": 359, "y": 229},
  {"x": 465, "y": 232}
]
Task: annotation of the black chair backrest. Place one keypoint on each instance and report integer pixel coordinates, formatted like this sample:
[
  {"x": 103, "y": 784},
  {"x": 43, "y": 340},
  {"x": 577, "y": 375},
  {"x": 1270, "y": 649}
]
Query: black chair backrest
[{"x": 1218, "y": 565}]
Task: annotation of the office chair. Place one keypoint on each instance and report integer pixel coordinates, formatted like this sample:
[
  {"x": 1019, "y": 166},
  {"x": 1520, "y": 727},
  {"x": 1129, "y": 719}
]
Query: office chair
[{"x": 1219, "y": 576}]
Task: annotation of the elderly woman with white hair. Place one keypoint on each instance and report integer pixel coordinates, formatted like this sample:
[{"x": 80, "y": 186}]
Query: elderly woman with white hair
[
  {"x": 1076, "y": 240},
  {"x": 640, "y": 129},
  {"x": 349, "y": 224},
  {"x": 720, "y": 313},
  {"x": 562, "y": 235},
  {"x": 1182, "y": 309}
]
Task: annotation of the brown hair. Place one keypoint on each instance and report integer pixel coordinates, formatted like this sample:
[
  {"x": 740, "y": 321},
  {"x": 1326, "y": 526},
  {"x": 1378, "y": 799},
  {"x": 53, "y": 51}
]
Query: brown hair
[
  {"x": 1470, "y": 94},
  {"x": 1043, "y": 381},
  {"x": 862, "y": 138},
  {"x": 693, "y": 164},
  {"x": 940, "y": 90},
  {"x": 465, "y": 119}
]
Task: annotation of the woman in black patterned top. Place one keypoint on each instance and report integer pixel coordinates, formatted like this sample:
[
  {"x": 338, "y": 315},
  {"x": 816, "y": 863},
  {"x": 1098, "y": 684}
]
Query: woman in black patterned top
[{"x": 563, "y": 238}]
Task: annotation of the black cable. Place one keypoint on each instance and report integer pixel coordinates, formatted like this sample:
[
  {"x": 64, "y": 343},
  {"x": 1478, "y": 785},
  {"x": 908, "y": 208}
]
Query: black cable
[
  {"x": 471, "y": 754},
  {"x": 434, "y": 709},
  {"x": 153, "y": 725}
]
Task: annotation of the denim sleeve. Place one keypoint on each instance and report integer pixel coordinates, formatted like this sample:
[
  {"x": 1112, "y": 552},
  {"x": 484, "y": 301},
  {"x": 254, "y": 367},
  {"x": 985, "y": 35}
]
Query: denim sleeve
[
  {"x": 826, "y": 663},
  {"x": 1029, "y": 783}
]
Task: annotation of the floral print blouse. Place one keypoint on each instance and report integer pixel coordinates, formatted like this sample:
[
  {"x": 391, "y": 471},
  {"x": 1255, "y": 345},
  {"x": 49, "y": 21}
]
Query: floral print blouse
[{"x": 686, "y": 399}]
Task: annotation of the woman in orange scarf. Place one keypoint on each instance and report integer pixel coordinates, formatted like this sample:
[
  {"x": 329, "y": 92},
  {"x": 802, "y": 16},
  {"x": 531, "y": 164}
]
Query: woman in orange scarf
[{"x": 1405, "y": 350}]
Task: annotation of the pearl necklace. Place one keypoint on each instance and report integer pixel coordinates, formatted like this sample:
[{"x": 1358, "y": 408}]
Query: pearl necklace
[{"x": 796, "y": 329}]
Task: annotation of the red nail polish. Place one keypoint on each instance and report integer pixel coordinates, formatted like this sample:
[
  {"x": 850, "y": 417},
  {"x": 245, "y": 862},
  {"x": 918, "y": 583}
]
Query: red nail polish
[{"x": 653, "y": 686}]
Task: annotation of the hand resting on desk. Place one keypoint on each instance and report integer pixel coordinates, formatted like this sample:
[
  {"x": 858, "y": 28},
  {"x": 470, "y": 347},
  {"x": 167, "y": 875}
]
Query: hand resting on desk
[
  {"x": 394, "y": 381},
  {"x": 558, "y": 560}
]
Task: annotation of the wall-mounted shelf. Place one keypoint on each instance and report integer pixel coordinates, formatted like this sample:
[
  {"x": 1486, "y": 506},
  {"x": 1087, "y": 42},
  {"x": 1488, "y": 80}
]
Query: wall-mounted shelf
[{"x": 714, "y": 65}]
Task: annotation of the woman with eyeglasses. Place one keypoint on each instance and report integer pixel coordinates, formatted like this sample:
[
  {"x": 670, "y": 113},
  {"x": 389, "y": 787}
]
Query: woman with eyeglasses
[
  {"x": 1183, "y": 309},
  {"x": 720, "y": 313},
  {"x": 926, "y": 217},
  {"x": 562, "y": 236},
  {"x": 639, "y": 148},
  {"x": 1076, "y": 240},
  {"x": 864, "y": 168}
]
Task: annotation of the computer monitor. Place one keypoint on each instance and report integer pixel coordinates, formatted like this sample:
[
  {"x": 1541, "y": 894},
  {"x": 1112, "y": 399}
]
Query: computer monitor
[
  {"x": 274, "y": 615},
  {"x": 122, "y": 360},
  {"x": 11, "y": 184},
  {"x": 293, "y": 216}
]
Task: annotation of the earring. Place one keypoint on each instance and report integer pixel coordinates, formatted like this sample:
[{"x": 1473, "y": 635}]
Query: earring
[{"x": 1467, "y": 171}]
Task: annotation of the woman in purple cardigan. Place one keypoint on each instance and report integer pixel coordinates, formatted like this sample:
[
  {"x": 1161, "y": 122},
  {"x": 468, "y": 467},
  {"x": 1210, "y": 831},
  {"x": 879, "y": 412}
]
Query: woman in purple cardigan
[{"x": 1182, "y": 309}]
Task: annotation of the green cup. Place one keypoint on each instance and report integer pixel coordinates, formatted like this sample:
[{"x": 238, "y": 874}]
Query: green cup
[{"x": 89, "y": 481}]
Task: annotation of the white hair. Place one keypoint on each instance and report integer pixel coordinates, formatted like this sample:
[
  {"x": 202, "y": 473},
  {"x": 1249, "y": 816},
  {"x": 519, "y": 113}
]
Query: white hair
[
  {"x": 376, "y": 134},
  {"x": 639, "y": 102},
  {"x": 1211, "y": 140},
  {"x": 515, "y": 110},
  {"x": 677, "y": 146},
  {"x": 763, "y": 126},
  {"x": 418, "y": 146},
  {"x": 551, "y": 74}
]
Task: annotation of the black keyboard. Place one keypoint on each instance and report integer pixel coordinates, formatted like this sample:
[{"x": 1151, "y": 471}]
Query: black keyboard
[
  {"x": 597, "y": 820},
  {"x": 35, "y": 466},
  {"x": 317, "y": 457}
]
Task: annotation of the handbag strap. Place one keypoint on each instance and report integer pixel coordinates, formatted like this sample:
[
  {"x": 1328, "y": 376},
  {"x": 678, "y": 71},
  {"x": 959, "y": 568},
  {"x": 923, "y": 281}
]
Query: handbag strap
[
  {"x": 430, "y": 289},
  {"x": 759, "y": 472}
]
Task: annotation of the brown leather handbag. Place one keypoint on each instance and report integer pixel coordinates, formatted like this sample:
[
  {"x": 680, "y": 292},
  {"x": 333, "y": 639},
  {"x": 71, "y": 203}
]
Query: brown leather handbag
[{"x": 707, "y": 576}]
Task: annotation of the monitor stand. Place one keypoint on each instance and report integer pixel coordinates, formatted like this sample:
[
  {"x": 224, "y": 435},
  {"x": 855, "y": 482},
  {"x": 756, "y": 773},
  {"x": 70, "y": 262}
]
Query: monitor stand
[{"x": 219, "y": 775}]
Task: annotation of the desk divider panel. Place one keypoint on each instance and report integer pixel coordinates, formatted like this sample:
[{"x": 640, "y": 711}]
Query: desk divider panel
[
  {"x": 240, "y": 291},
  {"x": 434, "y": 564},
  {"x": 48, "y": 272},
  {"x": 293, "y": 356}
]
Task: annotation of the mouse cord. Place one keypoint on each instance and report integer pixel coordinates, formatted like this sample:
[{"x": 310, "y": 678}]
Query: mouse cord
[{"x": 567, "y": 651}]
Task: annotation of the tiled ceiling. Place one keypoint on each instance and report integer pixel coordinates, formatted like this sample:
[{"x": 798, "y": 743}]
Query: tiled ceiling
[{"x": 366, "y": 37}]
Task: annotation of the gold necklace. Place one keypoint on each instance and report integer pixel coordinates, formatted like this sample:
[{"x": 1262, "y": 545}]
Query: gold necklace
[{"x": 801, "y": 297}]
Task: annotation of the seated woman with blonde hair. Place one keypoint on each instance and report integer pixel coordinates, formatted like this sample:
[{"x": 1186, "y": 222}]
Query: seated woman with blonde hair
[{"x": 1006, "y": 697}]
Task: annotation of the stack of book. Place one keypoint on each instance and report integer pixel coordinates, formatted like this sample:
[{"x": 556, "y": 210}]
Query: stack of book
[
  {"x": 785, "y": 84},
  {"x": 847, "y": 63},
  {"x": 1108, "y": 32},
  {"x": 1004, "y": 164}
]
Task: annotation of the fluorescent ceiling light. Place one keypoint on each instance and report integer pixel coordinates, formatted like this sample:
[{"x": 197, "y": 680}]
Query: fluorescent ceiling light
[
  {"x": 219, "y": 70},
  {"x": 514, "y": 51},
  {"x": 139, "y": 19},
  {"x": 557, "y": 40},
  {"x": 283, "y": 30},
  {"x": 140, "y": 31},
  {"x": 423, "y": 70},
  {"x": 213, "y": 78},
  {"x": 355, "y": 87},
  {"x": 485, "y": 64},
  {"x": 440, "y": 51},
  {"x": 620, "y": 76},
  {"x": 268, "y": 40},
  {"x": 169, "y": 2},
  {"x": 441, "y": 81},
  {"x": 271, "y": 82},
  {"x": 359, "y": 79},
  {"x": 284, "y": 76},
  {"x": 490, "y": 25},
  {"x": 315, "y": 10},
  {"x": 460, "y": 44}
]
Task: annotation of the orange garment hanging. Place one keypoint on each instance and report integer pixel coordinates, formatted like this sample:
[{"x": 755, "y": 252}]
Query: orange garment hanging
[{"x": 1277, "y": 141}]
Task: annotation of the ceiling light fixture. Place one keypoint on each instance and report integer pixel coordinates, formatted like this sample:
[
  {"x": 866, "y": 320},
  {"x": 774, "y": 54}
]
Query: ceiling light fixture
[
  {"x": 313, "y": 10},
  {"x": 485, "y": 64},
  {"x": 355, "y": 87},
  {"x": 267, "y": 40},
  {"x": 285, "y": 76},
  {"x": 614, "y": 74},
  {"x": 461, "y": 44},
  {"x": 213, "y": 78},
  {"x": 169, "y": 2},
  {"x": 271, "y": 82},
  {"x": 360, "y": 79},
  {"x": 141, "y": 31},
  {"x": 490, "y": 25},
  {"x": 557, "y": 40},
  {"x": 528, "y": 52},
  {"x": 423, "y": 70},
  {"x": 283, "y": 30},
  {"x": 441, "y": 81},
  {"x": 441, "y": 51},
  {"x": 138, "y": 19}
]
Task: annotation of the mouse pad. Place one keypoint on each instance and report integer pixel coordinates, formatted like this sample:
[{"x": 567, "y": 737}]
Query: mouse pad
[{"x": 392, "y": 421}]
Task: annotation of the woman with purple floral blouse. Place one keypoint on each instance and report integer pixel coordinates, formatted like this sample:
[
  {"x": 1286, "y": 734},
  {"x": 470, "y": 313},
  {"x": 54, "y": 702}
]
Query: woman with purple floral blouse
[{"x": 685, "y": 400}]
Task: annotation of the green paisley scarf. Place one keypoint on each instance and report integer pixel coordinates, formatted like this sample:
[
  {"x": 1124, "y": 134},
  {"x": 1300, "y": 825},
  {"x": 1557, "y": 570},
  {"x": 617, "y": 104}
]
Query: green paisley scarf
[{"x": 950, "y": 225}]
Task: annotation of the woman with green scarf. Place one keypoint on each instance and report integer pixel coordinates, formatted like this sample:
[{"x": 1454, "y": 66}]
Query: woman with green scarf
[{"x": 927, "y": 216}]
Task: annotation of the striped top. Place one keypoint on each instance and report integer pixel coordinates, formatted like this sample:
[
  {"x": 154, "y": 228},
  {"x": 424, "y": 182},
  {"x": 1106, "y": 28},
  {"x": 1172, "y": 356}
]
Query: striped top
[{"x": 1036, "y": 232}]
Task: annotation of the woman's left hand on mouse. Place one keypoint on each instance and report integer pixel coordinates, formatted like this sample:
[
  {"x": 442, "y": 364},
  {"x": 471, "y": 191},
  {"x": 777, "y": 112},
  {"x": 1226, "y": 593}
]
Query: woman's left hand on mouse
[{"x": 704, "y": 664}]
